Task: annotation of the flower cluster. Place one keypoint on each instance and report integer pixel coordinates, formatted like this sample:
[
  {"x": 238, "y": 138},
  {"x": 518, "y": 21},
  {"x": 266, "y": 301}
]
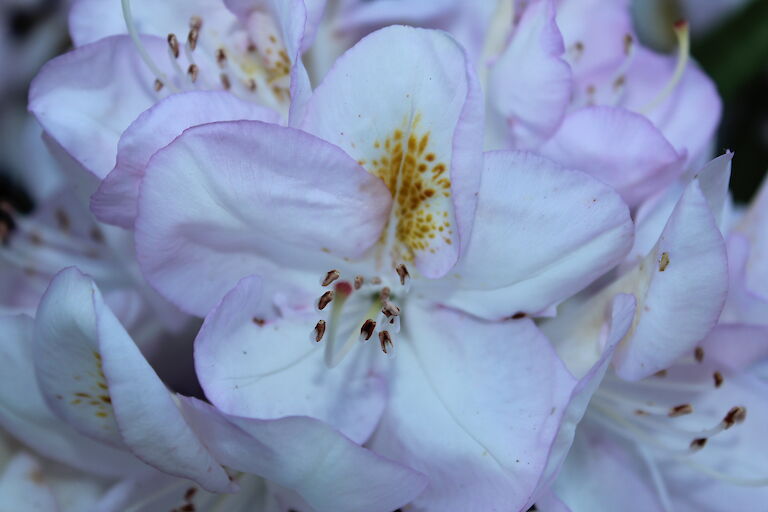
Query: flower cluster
[{"x": 448, "y": 256}]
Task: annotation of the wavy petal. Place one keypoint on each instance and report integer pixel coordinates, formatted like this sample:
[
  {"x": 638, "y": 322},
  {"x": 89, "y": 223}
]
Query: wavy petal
[{"x": 227, "y": 200}]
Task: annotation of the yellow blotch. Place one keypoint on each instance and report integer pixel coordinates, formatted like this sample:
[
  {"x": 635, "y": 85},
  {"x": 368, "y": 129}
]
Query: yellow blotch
[{"x": 403, "y": 165}]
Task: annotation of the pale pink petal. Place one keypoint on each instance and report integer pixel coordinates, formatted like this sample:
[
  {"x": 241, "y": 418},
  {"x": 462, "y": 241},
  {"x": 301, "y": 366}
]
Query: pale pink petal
[
  {"x": 270, "y": 369},
  {"x": 115, "y": 200},
  {"x": 25, "y": 415},
  {"x": 475, "y": 406},
  {"x": 619, "y": 147},
  {"x": 84, "y": 99},
  {"x": 226, "y": 200},
  {"x": 530, "y": 84},
  {"x": 680, "y": 287},
  {"x": 95, "y": 378},
  {"x": 404, "y": 102},
  {"x": 329, "y": 471},
  {"x": 520, "y": 259}
]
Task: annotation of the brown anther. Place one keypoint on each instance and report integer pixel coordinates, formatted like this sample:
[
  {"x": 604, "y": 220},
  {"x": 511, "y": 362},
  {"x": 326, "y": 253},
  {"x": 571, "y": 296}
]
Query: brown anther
[
  {"x": 698, "y": 443},
  {"x": 385, "y": 340},
  {"x": 680, "y": 410},
  {"x": 325, "y": 299},
  {"x": 190, "y": 493},
  {"x": 390, "y": 309},
  {"x": 366, "y": 331},
  {"x": 640, "y": 412},
  {"x": 173, "y": 44},
  {"x": 330, "y": 277},
  {"x": 385, "y": 294},
  {"x": 518, "y": 315},
  {"x": 628, "y": 41},
  {"x": 221, "y": 57},
  {"x": 225, "y": 81},
  {"x": 718, "y": 379},
  {"x": 158, "y": 85},
  {"x": 698, "y": 354},
  {"x": 663, "y": 261},
  {"x": 258, "y": 321},
  {"x": 660, "y": 373},
  {"x": 251, "y": 84},
  {"x": 735, "y": 416},
  {"x": 193, "y": 71},
  {"x": 319, "y": 330},
  {"x": 195, "y": 22},
  {"x": 402, "y": 271},
  {"x": 619, "y": 82},
  {"x": 192, "y": 38},
  {"x": 359, "y": 280}
]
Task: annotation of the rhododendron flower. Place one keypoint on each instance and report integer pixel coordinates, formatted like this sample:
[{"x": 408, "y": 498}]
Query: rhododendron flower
[
  {"x": 93, "y": 377},
  {"x": 664, "y": 367},
  {"x": 149, "y": 50},
  {"x": 569, "y": 79},
  {"x": 367, "y": 231}
]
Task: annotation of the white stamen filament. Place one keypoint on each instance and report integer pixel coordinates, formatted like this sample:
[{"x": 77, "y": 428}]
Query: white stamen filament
[
  {"x": 683, "y": 54},
  {"x": 129, "y": 24}
]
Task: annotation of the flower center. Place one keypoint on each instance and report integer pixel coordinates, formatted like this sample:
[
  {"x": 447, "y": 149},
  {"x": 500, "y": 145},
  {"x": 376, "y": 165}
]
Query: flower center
[
  {"x": 629, "y": 409},
  {"x": 358, "y": 311},
  {"x": 251, "y": 68},
  {"x": 421, "y": 191}
]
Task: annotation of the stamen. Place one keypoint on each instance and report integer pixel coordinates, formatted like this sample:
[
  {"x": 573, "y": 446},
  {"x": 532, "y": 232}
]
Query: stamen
[
  {"x": 192, "y": 71},
  {"x": 330, "y": 277},
  {"x": 683, "y": 53},
  {"x": 131, "y": 27},
  {"x": 173, "y": 45},
  {"x": 195, "y": 24},
  {"x": 251, "y": 84},
  {"x": 680, "y": 410},
  {"x": 718, "y": 379},
  {"x": 319, "y": 331},
  {"x": 221, "y": 58},
  {"x": 359, "y": 280},
  {"x": 385, "y": 294},
  {"x": 366, "y": 331},
  {"x": 698, "y": 354},
  {"x": 385, "y": 340},
  {"x": 390, "y": 309},
  {"x": 402, "y": 271},
  {"x": 225, "y": 82},
  {"x": 158, "y": 85},
  {"x": 735, "y": 416},
  {"x": 698, "y": 443},
  {"x": 325, "y": 299}
]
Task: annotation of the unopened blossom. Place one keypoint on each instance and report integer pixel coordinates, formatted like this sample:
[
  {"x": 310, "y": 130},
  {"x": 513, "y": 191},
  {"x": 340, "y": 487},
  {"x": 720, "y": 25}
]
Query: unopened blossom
[{"x": 362, "y": 227}]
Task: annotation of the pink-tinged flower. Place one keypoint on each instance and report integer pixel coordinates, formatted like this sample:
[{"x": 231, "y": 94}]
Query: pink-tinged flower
[
  {"x": 381, "y": 216},
  {"x": 680, "y": 286},
  {"x": 613, "y": 108},
  {"x": 45, "y": 228},
  {"x": 254, "y": 57},
  {"x": 116, "y": 411},
  {"x": 665, "y": 365},
  {"x": 687, "y": 439}
]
